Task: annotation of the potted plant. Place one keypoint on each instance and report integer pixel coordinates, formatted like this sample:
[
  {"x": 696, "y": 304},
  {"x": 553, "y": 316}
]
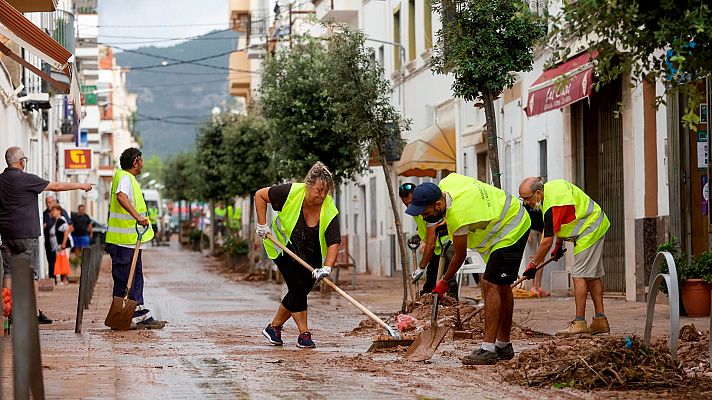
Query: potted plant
[
  {"x": 236, "y": 250},
  {"x": 694, "y": 279}
]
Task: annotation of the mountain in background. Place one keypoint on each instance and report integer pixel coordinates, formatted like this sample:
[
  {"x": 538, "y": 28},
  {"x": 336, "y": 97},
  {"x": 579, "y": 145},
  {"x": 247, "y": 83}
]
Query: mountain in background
[{"x": 174, "y": 100}]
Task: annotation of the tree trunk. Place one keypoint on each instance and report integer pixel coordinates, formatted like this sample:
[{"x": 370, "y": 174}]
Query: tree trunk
[
  {"x": 251, "y": 234},
  {"x": 213, "y": 222},
  {"x": 396, "y": 219},
  {"x": 492, "y": 139}
]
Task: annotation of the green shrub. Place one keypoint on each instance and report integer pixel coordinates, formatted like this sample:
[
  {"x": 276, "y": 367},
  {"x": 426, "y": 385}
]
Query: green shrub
[{"x": 236, "y": 246}]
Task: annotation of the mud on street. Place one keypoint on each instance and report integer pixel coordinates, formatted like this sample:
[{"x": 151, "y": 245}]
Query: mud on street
[{"x": 213, "y": 346}]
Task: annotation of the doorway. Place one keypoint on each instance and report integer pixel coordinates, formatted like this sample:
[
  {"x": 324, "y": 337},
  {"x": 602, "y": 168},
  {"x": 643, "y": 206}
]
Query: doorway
[{"x": 598, "y": 137}]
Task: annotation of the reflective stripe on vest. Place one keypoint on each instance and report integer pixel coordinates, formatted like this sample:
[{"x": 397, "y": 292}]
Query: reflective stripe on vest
[
  {"x": 590, "y": 223},
  {"x": 286, "y": 220},
  {"x": 121, "y": 227},
  {"x": 477, "y": 202}
]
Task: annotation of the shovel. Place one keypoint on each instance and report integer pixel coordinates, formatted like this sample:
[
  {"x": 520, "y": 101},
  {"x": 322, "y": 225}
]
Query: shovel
[
  {"x": 428, "y": 341},
  {"x": 397, "y": 339},
  {"x": 413, "y": 245},
  {"x": 542, "y": 265},
  {"x": 122, "y": 308}
]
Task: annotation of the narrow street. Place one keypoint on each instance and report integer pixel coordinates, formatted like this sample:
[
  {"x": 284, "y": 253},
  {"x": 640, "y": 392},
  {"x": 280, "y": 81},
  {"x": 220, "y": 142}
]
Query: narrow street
[{"x": 213, "y": 348}]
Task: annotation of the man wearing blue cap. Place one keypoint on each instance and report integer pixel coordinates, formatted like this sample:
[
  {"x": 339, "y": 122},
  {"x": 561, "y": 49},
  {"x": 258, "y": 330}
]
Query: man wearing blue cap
[{"x": 484, "y": 218}]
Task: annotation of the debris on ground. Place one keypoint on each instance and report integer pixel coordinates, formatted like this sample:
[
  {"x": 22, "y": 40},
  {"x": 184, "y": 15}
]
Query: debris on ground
[{"x": 611, "y": 362}]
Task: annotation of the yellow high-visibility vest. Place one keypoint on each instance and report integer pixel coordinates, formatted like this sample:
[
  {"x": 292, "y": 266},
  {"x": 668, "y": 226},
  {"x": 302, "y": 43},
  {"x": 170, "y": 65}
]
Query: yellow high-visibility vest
[
  {"x": 285, "y": 220},
  {"x": 590, "y": 224},
  {"x": 122, "y": 226}
]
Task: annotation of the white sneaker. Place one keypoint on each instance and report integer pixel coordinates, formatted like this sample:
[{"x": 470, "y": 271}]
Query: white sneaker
[{"x": 417, "y": 274}]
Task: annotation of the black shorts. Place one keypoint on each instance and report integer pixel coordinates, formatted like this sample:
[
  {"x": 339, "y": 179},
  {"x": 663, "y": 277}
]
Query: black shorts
[{"x": 503, "y": 265}]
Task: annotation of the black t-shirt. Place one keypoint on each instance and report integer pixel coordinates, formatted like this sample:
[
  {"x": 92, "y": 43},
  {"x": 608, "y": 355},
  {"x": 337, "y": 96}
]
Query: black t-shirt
[
  {"x": 81, "y": 224},
  {"x": 548, "y": 223},
  {"x": 19, "y": 213},
  {"x": 305, "y": 239},
  {"x": 537, "y": 219},
  {"x": 48, "y": 221}
]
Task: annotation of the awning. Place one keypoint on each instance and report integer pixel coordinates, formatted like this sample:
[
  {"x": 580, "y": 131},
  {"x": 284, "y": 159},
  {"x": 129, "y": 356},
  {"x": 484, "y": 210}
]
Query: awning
[
  {"x": 433, "y": 151},
  {"x": 562, "y": 85},
  {"x": 26, "y": 34}
]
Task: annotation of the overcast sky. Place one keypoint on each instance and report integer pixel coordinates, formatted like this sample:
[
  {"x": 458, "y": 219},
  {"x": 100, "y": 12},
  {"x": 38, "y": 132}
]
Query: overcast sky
[{"x": 143, "y": 15}]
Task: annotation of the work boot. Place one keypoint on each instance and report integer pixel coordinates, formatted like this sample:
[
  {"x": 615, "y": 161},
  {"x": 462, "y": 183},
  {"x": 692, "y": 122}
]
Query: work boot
[
  {"x": 151, "y": 323},
  {"x": 599, "y": 325},
  {"x": 575, "y": 327},
  {"x": 305, "y": 341},
  {"x": 481, "y": 357},
  {"x": 506, "y": 352},
  {"x": 273, "y": 334},
  {"x": 42, "y": 319}
]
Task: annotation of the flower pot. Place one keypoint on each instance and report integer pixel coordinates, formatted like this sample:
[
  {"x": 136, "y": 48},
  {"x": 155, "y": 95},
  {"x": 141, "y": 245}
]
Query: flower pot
[{"x": 696, "y": 295}]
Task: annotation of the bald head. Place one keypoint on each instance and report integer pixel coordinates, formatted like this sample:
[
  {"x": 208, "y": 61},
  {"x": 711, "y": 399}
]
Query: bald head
[
  {"x": 13, "y": 156},
  {"x": 531, "y": 185}
]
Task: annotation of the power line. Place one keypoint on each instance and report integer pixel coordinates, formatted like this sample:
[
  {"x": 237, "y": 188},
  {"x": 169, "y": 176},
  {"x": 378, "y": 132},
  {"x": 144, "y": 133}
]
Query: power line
[
  {"x": 179, "y": 61},
  {"x": 154, "y": 26},
  {"x": 178, "y": 84}
]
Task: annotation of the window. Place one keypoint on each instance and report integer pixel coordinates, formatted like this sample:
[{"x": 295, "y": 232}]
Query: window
[
  {"x": 543, "y": 170},
  {"x": 411, "y": 30},
  {"x": 428, "y": 24},
  {"x": 482, "y": 167},
  {"x": 397, "y": 41},
  {"x": 538, "y": 6}
]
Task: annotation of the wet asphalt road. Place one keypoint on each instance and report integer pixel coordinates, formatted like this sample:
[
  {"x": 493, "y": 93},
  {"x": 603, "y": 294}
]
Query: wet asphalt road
[{"x": 213, "y": 348}]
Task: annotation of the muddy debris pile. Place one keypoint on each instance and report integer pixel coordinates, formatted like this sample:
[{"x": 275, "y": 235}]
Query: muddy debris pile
[
  {"x": 588, "y": 362},
  {"x": 465, "y": 319}
]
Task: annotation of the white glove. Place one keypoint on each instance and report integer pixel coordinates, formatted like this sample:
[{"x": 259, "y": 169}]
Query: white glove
[
  {"x": 321, "y": 273},
  {"x": 262, "y": 230},
  {"x": 417, "y": 274}
]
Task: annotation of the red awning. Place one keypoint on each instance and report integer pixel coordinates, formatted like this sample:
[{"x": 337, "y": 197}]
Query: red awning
[
  {"x": 26, "y": 34},
  {"x": 562, "y": 85}
]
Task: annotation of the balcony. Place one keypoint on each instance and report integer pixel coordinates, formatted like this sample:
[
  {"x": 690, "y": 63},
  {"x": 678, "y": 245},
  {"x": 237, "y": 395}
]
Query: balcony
[
  {"x": 240, "y": 76},
  {"x": 339, "y": 11},
  {"x": 239, "y": 15},
  {"x": 57, "y": 24}
]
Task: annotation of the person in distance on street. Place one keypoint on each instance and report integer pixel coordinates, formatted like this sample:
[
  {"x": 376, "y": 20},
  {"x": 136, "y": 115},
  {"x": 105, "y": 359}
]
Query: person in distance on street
[
  {"x": 307, "y": 223},
  {"x": 484, "y": 218}
]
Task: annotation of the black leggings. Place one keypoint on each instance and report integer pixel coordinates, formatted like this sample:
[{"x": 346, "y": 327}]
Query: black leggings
[{"x": 299, "y": 283}]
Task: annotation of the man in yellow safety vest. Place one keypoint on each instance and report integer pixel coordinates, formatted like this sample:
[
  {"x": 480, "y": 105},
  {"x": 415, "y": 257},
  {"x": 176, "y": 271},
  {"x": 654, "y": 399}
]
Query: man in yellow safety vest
[
  {"x": 127, "y": 208},
  {"x": 484, "y": 218},
  {"x": 571, "y": 215}
]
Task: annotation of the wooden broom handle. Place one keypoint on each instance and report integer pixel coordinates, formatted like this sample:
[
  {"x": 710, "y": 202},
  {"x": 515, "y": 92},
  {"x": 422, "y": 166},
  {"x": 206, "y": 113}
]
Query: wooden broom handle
[{"x": 330, "y": 283}]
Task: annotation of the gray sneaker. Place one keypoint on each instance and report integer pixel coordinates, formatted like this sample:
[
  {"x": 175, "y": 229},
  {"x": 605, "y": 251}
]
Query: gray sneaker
[
  {"x": 480, "y": 357},
  {"x": 506, "y": 352},
  {"x": 150, "y": 324}
]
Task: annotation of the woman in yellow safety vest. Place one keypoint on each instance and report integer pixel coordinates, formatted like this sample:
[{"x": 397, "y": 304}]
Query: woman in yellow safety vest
[{"x": 306, "y": 223}]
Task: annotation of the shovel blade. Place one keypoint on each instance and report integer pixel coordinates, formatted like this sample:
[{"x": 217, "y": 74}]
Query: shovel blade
[
  {"x": 426, "y": 343},
  {"x": 120, "y": 314}
]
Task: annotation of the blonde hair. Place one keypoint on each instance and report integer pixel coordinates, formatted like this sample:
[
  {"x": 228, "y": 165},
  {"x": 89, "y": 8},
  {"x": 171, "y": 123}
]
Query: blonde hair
[{"x": 318, "y": 171}]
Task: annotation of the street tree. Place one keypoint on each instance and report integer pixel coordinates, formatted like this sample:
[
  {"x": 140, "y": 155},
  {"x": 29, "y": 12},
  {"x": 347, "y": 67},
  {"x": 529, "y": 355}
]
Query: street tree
[
  {"x": 483, "y": 43},
  {"x": 210, "y": 157},
  {"x": 247, "y": 162},
  {"x": 178, "y": 176},
  {"x": 305, "y": 126},
  {"x": 647, "y": 40}
]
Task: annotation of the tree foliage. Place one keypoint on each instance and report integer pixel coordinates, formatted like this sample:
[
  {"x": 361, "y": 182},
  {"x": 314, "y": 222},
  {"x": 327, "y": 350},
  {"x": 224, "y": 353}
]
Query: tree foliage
[
  {"x": 180, "y": 177},
  {"x": 247, "y": 159},
  {"x": 669, "y": 40},
  {"x": 325, "y": 102},
  {"x": 211, "y": 157},
  {"x": 482, "y": 43}
]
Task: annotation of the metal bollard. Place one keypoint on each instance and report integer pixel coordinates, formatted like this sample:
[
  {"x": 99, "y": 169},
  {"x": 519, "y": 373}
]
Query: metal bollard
[
  {"x": 27, "y": 361},
  {"x": 670, "y": 280},
  {"x": 83, "y": 285}
]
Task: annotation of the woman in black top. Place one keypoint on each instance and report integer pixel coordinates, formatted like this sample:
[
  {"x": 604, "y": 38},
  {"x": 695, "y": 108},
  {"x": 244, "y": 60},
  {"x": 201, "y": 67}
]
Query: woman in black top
[{"x": 304, "y": 241}]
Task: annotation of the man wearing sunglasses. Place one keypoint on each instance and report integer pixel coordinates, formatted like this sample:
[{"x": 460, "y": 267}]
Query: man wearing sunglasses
[
  {"x": 571, "y": 215},
  {"x": 432, "y": 250}
]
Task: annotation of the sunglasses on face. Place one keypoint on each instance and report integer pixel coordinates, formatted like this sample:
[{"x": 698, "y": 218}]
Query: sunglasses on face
[{"x": 405, "y": 189}]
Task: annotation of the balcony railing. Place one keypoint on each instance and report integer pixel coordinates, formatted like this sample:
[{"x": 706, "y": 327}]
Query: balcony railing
[{"x": 59, "y": 25}]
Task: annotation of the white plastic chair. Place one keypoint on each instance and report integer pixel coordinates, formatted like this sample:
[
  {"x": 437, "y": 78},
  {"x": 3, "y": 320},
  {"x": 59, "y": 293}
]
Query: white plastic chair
[{"x": 474, "y": 264}]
